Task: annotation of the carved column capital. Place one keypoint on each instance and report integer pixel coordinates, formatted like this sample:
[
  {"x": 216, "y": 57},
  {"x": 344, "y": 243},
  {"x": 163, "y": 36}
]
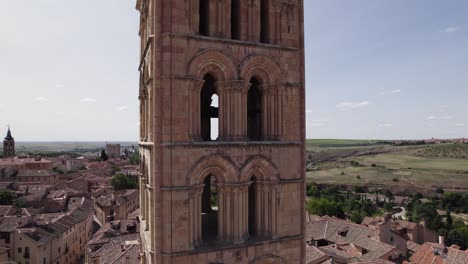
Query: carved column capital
[
  {"x": 265, "y": 89},
  {"x": 196, "y": 191},
  {"x": 196, "y": 85}
]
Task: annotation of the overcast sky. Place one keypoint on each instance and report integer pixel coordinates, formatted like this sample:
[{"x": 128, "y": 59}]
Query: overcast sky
[{"x": 376, "y": 69}]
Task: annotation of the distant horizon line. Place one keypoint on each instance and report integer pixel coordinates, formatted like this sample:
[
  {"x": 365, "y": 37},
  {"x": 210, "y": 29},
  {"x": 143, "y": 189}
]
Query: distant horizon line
[{"x": 136, "y": 141}]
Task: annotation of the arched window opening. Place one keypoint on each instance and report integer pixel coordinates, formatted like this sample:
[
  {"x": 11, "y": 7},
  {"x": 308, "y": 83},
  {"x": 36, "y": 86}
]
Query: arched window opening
[
  {"x": 254, "y": 111},
  {"x": 235, "y": 19},
  {"x": 204, "y": 28},
  {"x": 264, "y": 21},
  {"x": 214, "y": 121},
  {"x": 252, "y": 207},
  {"x": 209, "y": 209},
  {"x": 209, "y": 109}
]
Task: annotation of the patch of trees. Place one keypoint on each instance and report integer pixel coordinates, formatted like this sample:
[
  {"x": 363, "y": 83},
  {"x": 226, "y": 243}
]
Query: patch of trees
[
  {"x": 104, "y": 156},
  {"x": 123, "y": 182},
  {"x": 6, "y": 197},
  {"x": 341, "y": 203},
  {"x": 53, "y": 154},
  {"x": 455, "y": 230},
  {"x": 454, "y": 201},
  {"x": 135, "y": 158}
]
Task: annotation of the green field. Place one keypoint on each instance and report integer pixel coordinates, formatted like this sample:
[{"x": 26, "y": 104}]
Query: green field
[
  {"x": 402, "y": 168},
  {"x": 339, "y": 143}
]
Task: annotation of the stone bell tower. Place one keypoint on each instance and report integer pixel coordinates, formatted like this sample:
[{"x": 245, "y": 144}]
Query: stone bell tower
[
  {"x": 8, "y": 145},
  {"x": 222, "y": 133}
]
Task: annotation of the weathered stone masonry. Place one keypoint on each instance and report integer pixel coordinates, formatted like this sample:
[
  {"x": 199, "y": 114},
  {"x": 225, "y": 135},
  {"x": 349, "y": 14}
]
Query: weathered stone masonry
[{"x": 237, "y": 198}]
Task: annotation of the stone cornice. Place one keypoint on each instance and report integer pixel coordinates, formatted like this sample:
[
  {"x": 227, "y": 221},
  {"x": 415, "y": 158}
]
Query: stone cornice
[
  {"x": 300, "y": 239},
  {"x": 230, "y": 41},
  {"x": 230, "y": 144}
]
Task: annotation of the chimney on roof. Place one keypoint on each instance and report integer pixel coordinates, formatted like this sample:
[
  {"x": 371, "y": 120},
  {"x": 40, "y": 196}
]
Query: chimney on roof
[
  {"x": 122, "y": 247},
  {"x": 442, "y": 240},
  {"x": 387, "y": 217}
]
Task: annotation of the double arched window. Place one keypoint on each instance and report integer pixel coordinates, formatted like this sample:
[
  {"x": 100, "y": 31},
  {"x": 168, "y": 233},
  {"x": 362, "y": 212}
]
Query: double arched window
[
  {"x": 210, "y": 112},
  {"x": 229, "y": 205}
]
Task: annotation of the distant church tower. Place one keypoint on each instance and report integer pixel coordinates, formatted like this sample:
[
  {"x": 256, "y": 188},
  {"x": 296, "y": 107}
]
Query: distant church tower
[
  {"x": 9, "y": 145},
  {"x": 222, "y": 113}
]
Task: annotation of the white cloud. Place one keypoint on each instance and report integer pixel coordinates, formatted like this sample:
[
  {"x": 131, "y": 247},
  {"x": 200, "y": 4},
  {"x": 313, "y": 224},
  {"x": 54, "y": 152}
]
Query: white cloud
[
  {"x": 59, "y": 85},
  {"x": 352, "y": 105},
  {"x": 452, "y": 29},
  {"x": 387, "y": 92},
  {"x": 434, "y": 117},
  {"x": 324, "y": 120},
  {"x": 460, "y": 124},
  {"x": 122, "y": 108},
  {"x": 88, "y": 100},
  {"x": 308, "y": 111},
  {"x": 41, "y": 99},
  {"x": 317, "y": 124},
  {"x": 386, "y": 125}
]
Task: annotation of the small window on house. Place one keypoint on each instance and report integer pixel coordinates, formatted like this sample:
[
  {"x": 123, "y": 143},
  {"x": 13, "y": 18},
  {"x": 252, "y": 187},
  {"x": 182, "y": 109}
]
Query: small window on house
[
  {"x": 235, "y": 19},
  {"x": 20, "y": 250},
  {"x": 209, "y": 110},
  {"x": 264, "y": 21},
  {"x": 343, "y": 233},
  {"x": 204, "y": 17}
]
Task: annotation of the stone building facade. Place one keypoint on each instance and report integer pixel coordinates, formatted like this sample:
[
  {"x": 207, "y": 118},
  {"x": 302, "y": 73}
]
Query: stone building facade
[
  {"x": 8, "y": 145},
  {"x": 222, "y": 131}
]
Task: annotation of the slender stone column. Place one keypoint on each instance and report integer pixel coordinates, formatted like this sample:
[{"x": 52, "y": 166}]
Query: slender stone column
[
  {"x": 221, "y": 212},
  {"x": 251, "y": 21},
  {"x": 265, "y": 110},
  {"x": 195, "y": 87},
  {"x": 240, "y": 213},
  {"x": 258, "y": 209},
  {"x": 195, "y": 217},
  {"x": 243, "y": 110},
  {"x": 274, "y": 203},
  {"x": 230, "y": 110},
  {"x": 280, "y": 95}
]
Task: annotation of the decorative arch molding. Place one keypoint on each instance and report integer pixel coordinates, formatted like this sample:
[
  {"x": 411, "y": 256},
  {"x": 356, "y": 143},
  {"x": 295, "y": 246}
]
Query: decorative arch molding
[
  {"x": 261, "y": 167},
  {"x": 212, "y": 61},
  {"x": 262, "y": 67},
  {"x": 268, "y": 259},
  {"x": 219, "y": 166}
]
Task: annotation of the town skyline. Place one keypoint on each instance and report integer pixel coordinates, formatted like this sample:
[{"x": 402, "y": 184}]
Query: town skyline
[{"x": 392, "y": 80}]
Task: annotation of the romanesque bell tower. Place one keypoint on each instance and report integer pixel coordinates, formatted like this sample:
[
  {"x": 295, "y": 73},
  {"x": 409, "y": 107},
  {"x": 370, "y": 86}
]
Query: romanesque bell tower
[
  {"x": 8, "y": 145},
  {"x": 222, "y": 131}
]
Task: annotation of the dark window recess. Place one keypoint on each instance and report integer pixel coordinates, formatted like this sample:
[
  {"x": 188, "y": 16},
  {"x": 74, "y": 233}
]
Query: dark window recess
[
  {"x": 235, "y": 19},
  {"x": 252, "y": 207},
  {"x": 208, "y": 109},
  {"x": 254, "y": 111},
  {"x": 204, "y": 28},
  {"x": 209, "y": 209},
  {"x": 264, "y": 21}
]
